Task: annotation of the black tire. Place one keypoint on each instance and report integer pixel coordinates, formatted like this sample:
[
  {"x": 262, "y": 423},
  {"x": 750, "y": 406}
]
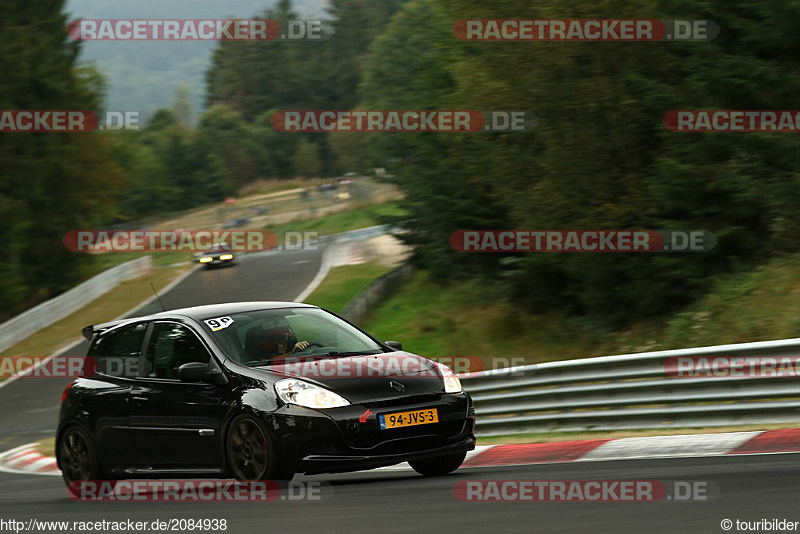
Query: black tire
[
  {"x": 441, "y": 465},
  {"x": 77, "y": 456},
  {"x": 250, "y": 451}
]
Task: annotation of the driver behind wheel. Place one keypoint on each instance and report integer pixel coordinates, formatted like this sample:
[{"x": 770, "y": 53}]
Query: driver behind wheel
[
  {"x": 270, "y": 343},
  {"x": 281, "y": 340}
]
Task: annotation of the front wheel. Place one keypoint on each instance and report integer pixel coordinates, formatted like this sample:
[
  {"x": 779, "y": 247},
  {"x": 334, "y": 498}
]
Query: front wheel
[
  {"x": 441, "y": 465},
  {"x": 251, "y": 452},
  {"x": 77, "y": 456}
]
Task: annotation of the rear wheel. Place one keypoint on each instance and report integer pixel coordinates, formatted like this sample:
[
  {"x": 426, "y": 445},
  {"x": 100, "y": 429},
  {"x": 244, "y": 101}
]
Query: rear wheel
[
  {"x": 77, "y": 456},
  {"x": 251, "y": 452},
  {"x": 438, "y": 466}
]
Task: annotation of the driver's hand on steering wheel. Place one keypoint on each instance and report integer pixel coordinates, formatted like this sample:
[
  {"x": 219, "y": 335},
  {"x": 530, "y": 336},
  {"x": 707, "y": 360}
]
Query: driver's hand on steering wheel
[{"x": 300, "y": 346}]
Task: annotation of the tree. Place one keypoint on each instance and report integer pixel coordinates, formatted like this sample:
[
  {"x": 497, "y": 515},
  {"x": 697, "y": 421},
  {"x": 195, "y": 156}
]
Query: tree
[
  {"x": 49, "y": 182},
  {"x": 223, "y": 132},
  {"x": 600, "y": 156},
  {"x": 307, "y": 163}
]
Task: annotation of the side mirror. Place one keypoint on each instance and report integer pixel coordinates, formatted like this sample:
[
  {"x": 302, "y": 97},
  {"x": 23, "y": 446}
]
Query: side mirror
[
  {"x": 193, "y": 372},
  {"x": 396, "y": 345}
]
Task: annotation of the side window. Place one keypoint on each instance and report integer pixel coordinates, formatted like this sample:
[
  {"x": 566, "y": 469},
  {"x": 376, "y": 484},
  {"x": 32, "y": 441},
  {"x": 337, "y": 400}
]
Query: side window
[
  {"x": 117, "y": 353},
  {"x": 172, "y": 345}
]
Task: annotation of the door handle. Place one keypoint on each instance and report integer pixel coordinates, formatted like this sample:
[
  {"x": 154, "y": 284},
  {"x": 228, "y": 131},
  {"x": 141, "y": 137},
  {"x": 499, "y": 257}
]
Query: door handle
[{"x": 138, "y": 401}]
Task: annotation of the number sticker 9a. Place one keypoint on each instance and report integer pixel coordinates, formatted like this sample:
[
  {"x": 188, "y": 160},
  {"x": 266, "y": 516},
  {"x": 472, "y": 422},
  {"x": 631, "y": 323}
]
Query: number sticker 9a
[{"x": 219, "y": 323}]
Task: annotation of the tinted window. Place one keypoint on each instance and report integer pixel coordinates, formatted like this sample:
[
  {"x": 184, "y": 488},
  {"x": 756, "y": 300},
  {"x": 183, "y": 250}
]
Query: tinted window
[
  {"x": 261, "y": 336},
  {"x": 172, "y": 345},
  {"x": 117, "y": 353}
]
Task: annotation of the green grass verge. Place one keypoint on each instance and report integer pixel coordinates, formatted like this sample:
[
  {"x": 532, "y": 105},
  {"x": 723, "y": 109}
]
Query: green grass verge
[
  {"x": 335, "y": 223},
  {"x": 752, "y": 306},
  {"x": 339, "y": 222},
  {"x": 101, "y": 262},
  {"x": 468, "y": 319},
  {"x": 344, "y": 283},
  {"x": 46, "y": 447}
]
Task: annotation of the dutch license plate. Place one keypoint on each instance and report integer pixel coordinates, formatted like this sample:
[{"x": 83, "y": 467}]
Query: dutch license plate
[{"x": 416, "y": 417}]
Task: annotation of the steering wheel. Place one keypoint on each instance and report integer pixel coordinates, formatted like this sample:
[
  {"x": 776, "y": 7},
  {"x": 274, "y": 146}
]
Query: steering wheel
[{"x": 311, "y": 344}]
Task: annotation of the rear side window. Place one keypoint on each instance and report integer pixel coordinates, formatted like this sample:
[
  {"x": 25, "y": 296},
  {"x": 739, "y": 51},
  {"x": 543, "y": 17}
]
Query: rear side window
[
  {"x": 172, "y": 345},
  {"x": 117, "y": 353}
]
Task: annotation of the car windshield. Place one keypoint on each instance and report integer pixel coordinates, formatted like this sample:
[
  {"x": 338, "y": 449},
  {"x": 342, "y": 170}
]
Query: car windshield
[{"x": 258, "y": 337}]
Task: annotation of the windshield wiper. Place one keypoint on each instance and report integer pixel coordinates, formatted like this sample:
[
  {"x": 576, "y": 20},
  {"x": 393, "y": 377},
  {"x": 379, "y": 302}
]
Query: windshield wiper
[
  {"x": 256, "y": 363},
  {"x": 353, "y": 353}
]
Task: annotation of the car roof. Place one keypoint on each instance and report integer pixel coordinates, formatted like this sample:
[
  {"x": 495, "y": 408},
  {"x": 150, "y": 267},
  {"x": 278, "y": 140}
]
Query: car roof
[
  {"x": 215, "y": 310},
  {"x": 199, "y": 313}
]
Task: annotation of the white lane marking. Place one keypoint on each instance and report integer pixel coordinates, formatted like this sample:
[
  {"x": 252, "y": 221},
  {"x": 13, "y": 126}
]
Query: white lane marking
[
  {"x": 41, "y": 463},
  {"x": 669, "y": 446},
  {"x": 13, "y": 453},
  {"x": 300, "y": 262},
  {"x": 324, "y": 267},
  {"x": 48, "y": 464},
  {"x": 22, "y": 458}
]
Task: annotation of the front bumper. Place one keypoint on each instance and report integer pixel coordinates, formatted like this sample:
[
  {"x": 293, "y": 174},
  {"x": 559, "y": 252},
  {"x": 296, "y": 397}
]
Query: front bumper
[
  {"x": 312, "y": 442},
  {"x": 318, "y": 463},
  {"x": 216, "y": 262}
]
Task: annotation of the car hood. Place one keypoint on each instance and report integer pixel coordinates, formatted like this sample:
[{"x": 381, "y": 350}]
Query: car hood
[{"x": 364, "y": 378}]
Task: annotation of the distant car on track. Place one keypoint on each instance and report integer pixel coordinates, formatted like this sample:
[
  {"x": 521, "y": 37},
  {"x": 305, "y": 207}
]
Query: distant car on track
[
  {"x": 216, "y": 256},
  {"x": 259, "y": 390},
  {"x": 236, "y": 223}
]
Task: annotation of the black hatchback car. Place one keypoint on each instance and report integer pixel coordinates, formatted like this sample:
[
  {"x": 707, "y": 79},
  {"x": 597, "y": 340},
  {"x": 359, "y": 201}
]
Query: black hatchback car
[{"x": 259, "y": 390}]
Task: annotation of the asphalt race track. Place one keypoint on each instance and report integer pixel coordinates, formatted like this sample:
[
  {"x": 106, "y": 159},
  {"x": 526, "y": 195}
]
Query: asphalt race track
[{"x": 751, "y": 487}]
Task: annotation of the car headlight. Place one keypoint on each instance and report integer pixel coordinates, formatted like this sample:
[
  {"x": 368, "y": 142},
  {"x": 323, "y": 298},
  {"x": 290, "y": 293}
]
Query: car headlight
[
  {"x": 451, "y": 382},
  {"x": 226, "y": 257},
  {"x": 293, "y": 391},
  {"x": 205, "y": 259}
]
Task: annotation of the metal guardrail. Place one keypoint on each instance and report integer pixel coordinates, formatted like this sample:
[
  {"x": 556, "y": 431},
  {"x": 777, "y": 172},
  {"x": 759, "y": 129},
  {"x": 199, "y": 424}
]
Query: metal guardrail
[
  {"x": 633, "y": 391},
  {"x": 375, "y": 293},
  {"x": 55, "y": 309},
  {"x": 357, "y": 235}
]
